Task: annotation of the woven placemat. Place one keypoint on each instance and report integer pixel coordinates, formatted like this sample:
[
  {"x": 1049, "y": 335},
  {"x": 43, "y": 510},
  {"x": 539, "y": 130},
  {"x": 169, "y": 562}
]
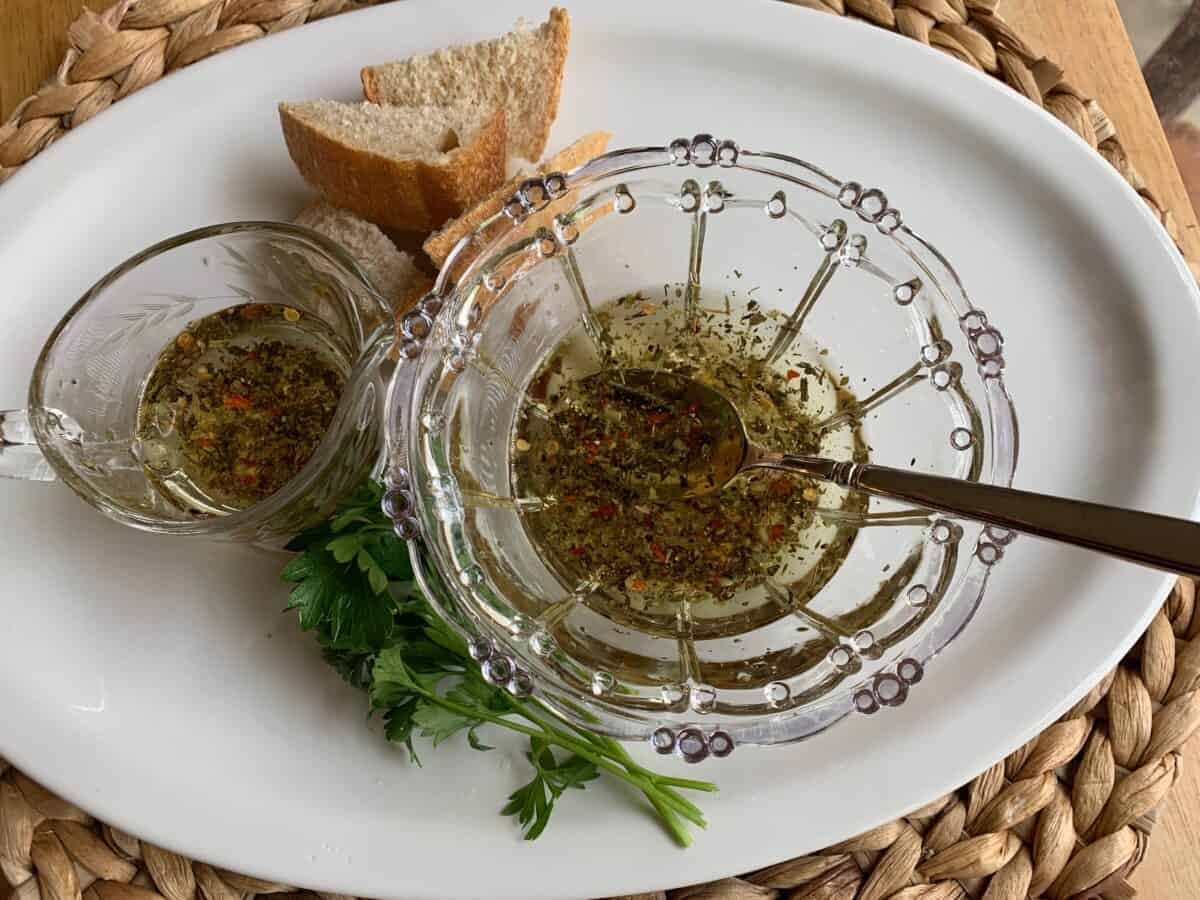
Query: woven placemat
[{"x": 1067, "y": 816}]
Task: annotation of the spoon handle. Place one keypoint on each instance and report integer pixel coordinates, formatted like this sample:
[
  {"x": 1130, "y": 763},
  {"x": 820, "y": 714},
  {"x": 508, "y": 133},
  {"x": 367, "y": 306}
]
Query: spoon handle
[{"x": 1160, "y": 542}]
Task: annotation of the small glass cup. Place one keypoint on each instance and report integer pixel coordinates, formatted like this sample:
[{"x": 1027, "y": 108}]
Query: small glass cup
[{"x": 80, "y": 425}]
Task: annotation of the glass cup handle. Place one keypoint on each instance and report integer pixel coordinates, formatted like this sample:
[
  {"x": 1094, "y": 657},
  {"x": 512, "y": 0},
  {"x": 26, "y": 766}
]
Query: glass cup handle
[{"x": 20, "y": 455}]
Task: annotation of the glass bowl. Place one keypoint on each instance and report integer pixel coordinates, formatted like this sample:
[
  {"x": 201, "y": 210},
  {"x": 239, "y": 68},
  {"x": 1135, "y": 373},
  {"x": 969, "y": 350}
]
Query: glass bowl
[{"x": 840, "y": 277}]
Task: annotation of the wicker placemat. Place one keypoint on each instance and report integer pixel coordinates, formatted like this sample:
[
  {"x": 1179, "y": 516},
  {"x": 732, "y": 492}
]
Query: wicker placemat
[{"x": 1066, "y": 816}]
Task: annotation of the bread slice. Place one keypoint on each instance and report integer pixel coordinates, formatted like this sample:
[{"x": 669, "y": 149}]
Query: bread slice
[
  {"x": 521, "y": 72},
  {"x": 393, "y": 272},
  {"x": 440, "y": 243},
  {"x": 410, "y": 168}
]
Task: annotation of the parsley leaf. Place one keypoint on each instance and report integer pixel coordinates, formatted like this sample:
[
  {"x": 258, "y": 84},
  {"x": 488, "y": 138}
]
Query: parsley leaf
[
  {"x": 533, "y": 803},
  {"x": 438, "y": 723},
  {"x": 354, "y": 666},
  {"x": 475, "y": 743},
  {"x": 341, "y": 606}
]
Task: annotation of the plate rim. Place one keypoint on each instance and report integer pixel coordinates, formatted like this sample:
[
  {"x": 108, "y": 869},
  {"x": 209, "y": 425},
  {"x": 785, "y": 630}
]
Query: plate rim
[{"x": 55, "y": 159}]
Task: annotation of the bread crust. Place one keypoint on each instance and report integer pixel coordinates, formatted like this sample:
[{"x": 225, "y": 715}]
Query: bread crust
[
  {"x": 440, "y": 243},
  {"x": 406, "y": 194}
]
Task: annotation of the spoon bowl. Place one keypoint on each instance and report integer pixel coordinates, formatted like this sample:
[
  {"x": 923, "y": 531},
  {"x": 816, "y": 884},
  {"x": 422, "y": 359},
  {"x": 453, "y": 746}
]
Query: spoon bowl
[{"x": 703, "y": 467}]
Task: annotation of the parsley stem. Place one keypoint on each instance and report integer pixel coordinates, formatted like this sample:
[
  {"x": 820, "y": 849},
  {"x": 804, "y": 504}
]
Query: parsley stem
[
  {"x": 684, "y": 807},
  {"x": 686, "y": 783},
  {"x": 526, "y": 711},
  {"x": 552, "y": 736},
  {"x": 618, "y": 749},
  {"x": 669, "y": 805},
  {"x": 653, "y": 786},
  {"x": 682, "y": 836}
]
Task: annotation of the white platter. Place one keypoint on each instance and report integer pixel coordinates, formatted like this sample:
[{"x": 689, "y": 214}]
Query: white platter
[{"x": 153, "y": 680}]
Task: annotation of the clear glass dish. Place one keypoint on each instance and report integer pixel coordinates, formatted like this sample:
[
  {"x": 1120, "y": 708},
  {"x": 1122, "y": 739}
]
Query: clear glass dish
[
  {"x": 82, "y": 422},
  {"x": 887, "y": 312}
]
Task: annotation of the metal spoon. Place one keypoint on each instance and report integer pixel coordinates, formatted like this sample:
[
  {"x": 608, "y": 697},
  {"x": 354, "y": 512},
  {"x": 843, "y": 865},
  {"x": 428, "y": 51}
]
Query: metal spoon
[{"x": 1145, "y": 538}]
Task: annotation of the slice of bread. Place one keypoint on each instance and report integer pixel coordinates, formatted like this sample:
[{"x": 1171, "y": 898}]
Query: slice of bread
[
  {"x": 440, "y": 243},
  {"x": 410, "y": 168},
  {"x": 393, "y": 272},
  {"x": 520, "y": 72}
]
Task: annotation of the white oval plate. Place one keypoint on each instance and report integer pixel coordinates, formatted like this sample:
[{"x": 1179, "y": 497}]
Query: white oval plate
[{"x": 154, "y": 681}]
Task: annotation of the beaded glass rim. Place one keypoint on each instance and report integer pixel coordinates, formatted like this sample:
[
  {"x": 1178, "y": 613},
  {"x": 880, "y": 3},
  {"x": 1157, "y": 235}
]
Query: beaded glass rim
[{"x": 515, "y": 661}]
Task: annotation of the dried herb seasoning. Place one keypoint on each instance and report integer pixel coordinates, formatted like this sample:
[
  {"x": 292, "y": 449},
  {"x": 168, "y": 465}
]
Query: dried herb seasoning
[
  {"x": 594, "y": 450},
  {"x": 236, "y": 405}
]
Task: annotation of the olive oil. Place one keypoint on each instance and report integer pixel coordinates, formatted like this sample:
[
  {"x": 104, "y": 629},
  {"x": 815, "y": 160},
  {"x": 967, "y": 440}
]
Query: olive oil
[
  {"x": 236, "y": 404},
  {"x": 593, "y": 452}
]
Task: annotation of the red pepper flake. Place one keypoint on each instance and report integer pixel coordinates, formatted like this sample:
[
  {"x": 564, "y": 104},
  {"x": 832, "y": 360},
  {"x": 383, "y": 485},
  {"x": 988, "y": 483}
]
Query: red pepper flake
[
  {"x": 659, "y": 553},
  {"x": 570, "y": 498},
  {"x": 692, "y": 408},
  {"x": 606, "y": 512},
  {"x": 577, "y": 552},
  {"x": 636, "y": 584},
  {"x": 791, "y": 374},
  {"x": 658, "y": 418},
  {"x": 716, "y": 524},
  {"x": 204, "y": 440},
  {"x": 782, "y": 487},
  {"x": 777, "y": 532},
  {"x": 237, "y": 401}
]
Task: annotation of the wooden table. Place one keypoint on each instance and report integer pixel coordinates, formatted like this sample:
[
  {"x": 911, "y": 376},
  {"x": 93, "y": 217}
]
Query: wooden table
[{"x": 1085, "y": 36}]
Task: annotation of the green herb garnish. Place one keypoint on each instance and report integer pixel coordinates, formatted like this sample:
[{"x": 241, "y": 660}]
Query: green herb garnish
[{"x": 354, "y": 590}]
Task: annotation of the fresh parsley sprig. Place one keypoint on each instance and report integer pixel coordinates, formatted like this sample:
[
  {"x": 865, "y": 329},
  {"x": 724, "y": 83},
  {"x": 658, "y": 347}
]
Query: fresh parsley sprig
[{"x": 353, "y": 587}]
